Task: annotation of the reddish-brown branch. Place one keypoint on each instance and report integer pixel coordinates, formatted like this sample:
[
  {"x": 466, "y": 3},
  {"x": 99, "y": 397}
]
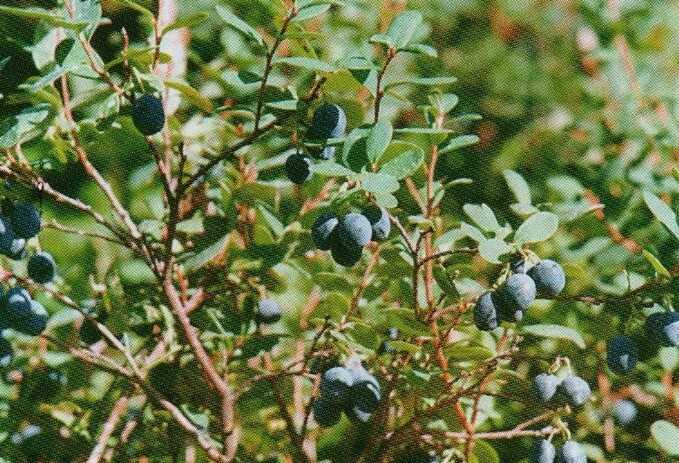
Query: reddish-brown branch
[{"x": 119, "y": 408}]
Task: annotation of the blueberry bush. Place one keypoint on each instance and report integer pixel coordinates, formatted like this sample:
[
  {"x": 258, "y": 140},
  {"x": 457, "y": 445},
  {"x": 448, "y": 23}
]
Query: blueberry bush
[{"x": 339, "y": 231}]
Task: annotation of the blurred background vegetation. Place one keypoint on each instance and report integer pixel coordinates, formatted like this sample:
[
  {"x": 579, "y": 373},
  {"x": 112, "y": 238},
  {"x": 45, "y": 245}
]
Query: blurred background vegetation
[{"x": 578, "y": 96}]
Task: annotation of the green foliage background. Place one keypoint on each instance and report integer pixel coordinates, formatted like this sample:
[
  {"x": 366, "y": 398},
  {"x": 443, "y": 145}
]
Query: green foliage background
[{"x": 557, "y": 104}]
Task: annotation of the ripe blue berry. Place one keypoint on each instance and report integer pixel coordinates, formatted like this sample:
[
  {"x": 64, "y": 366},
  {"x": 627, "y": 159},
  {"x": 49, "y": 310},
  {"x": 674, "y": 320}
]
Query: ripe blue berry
[
  {"x": 322, "y": 230},
  {"x": 379, "y": 220},
  {"x": 519, "y": 266},
  {"x": 549, "y": 278},
  {"x": 485, "y": 313},
  {"x": 571, "y": 452},
  {"x": 297, "y": 168},
  {"x": 25, "y": 220},
  {"x": 543, "y": 452},
  {"x": 354, "y": 230},
  {"x": 36, "y": 322},
  {"x": 664, "y": 328},
  {"x": 148, "y": 114},
  {"x": 329, "y": 121},
  {"x": 622, "y": 355},
  {"x": 327, "y": 153},
  {"x": 624, "y": 412},
  {"x": 41, "y": 267},
  {"x": 519, "y": 289},
  {"x": 268, "y": 311},
  {"x": 545, "y": 386},
  {"x": 18, "y": 304},
  {"x": 326, "y": 413},
  {"x": 574, "y": 390},
  {"x": 335, "y": 385}
]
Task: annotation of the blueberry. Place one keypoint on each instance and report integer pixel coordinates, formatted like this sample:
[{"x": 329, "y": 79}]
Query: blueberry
[
  {"x": 7, "y": 236},
  {"x": 148, "y": 114},
  {"x": 519, "y": 289},
  {"x": 35, "y": 322},
  {"x": 549, "y": 278},
  {"x": 379, "y": 220},
  {"x": 16, "y": 250},
  {"x": 297, "y": 168},
  {"x": 326, "y": 413},
  {"x": 25, "y": 220},
  {"x": 6, "y": 352},
  {"x": 664, "y": 328},
  {"x": 335, "y": 385},
  {"x": 354, "y": 230},
  {"x": 268, "y": 311},
  {"x": 329, "y": 121},
  {"x": 543, "y": 452},
  {"x": 624, "y": 412},
  {"x": 365, "y": 391},
  {"x": 346, "y": 256},
  {"x": 574, "y": 390},
  {"x": 17, "y": 304},
  {"x": 571, "y": 452},
  {"x": 485, "y": 313},
  {"x": 545, "y": 386},
  {"x": 41, "y": 267},
  {"x": 622, "y": 354},
  {"x": 321, "y": 230}
]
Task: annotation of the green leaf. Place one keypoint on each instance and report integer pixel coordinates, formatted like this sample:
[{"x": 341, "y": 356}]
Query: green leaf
[
  {"x": 331, "y": 169},
  {"x": 402, "y": 29},
  {"x": 386, "y": 200},
  {"x": 483, "y": 216},
  {"x": 137, "y": 7},
  {"x": 657, "y": 265},
  {"x": 402, "y": 346},
  {"x": 378, "y": 182},
  {"x": 189, "y": 21},
  {"x": 311, "y": 64},
  {"x": 14, "y": 128},
  {"x": 662, "y": 212},
  {"x": 556, "y": 332},
  {"x": 667, "y": 436},
  {"x": 461, "y": 141},
  {"x": 240, "y": 25},
  {"x": 423, "y": 81},
  {"x": 310, "y": 11},
  {"x": 518, "y": 186},
  {"x": 492, "y": 249},
  {"x": 485, "y": 453},
  {"x": 378, "y": 140},
  {"x": 191, "y": 94},
  {"x": 39, "y": 14},
  {"x": 200, "y": 259},
  {"x": 538, "y": 227},
  {"x": 271, "y": 220},
  {"x": 405, "y": 164},
  {"x": 459, "y": 353}
]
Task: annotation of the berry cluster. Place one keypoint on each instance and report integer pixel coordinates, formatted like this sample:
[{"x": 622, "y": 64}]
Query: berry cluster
[
  {"x": 328, "y": 121},
  {"x": 661, "y": 329},
  {"x": 572, "y": 389},
  {"x": 346, "y": 237},
  {"x": 511, "y": 300},
  {"x": 20, "y": 222},
  {"x": 351, "y": 389},
  {"x": 570, "y": 452}
]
